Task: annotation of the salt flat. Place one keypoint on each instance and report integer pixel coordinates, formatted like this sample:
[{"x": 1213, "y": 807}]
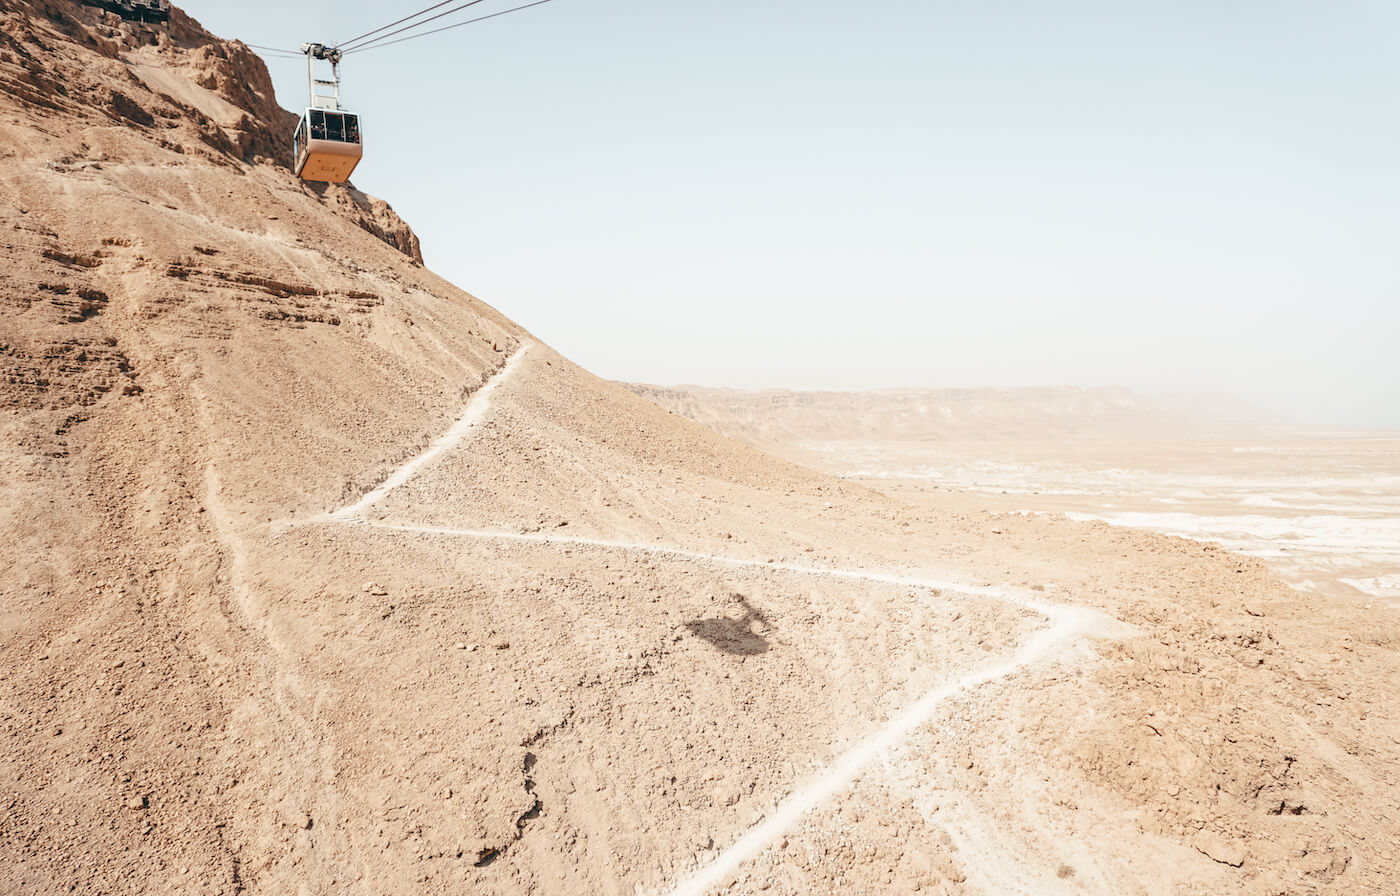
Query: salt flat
[{"x": 1321, "y": 509}]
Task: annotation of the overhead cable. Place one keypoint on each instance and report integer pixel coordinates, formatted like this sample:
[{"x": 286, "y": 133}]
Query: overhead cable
[
  {"x": 271, "y": 50},
  {"x": 417, "y": 24},
  {"x": 346, "y": 43},
  {"x": 377, "y": 44}
]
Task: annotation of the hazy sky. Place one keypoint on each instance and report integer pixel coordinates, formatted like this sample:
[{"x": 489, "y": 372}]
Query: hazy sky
[{"x": 1174, "y": 197}]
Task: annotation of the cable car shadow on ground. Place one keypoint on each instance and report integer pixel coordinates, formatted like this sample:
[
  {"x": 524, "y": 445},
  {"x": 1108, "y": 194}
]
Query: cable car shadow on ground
[{"x": 735, "y": 636}]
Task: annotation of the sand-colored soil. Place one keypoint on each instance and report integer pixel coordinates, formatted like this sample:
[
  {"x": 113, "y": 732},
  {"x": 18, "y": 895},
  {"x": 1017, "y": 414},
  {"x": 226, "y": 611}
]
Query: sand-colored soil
[{"x": 320, "y": 576}]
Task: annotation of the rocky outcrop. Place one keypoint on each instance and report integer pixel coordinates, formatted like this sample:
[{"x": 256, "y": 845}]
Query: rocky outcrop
[
  {"x": 375, "y": 216},
  {"x": 191, "y": 94}
]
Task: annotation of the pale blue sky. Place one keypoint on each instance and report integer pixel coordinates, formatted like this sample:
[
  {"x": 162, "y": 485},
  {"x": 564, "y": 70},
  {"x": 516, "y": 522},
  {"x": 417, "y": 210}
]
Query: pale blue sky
[{"x": 1171, "y": 197}]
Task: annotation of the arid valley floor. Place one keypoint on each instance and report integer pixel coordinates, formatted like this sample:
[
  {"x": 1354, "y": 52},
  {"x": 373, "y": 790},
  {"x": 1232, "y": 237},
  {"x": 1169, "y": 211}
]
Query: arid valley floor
[{"x": 1321, "y": 510}]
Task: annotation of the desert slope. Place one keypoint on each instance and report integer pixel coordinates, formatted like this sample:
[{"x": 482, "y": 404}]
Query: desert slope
[{"x": 321, "y": 576}]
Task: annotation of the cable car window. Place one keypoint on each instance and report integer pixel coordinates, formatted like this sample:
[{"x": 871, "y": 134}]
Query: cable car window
[
  {"x": 318, "y": 124},
  {"x": 352, "y": 129}
]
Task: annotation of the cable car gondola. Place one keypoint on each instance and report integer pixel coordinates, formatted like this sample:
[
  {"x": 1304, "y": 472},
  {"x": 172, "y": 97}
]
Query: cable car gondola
[{"x": 327, "y": 145}]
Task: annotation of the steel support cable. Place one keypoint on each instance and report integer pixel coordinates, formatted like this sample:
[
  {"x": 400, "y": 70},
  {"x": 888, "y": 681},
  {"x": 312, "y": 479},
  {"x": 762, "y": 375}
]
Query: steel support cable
[
  {"x": 417, "y": 24},
  {"x": 377, "y": 44},
  {"x": 271, "y": 50},
  {"x": 346, "y": 43}
]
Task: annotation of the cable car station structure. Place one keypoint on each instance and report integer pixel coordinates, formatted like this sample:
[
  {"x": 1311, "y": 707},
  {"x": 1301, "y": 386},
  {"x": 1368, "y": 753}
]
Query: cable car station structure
[{"x": 136, "y": 10}]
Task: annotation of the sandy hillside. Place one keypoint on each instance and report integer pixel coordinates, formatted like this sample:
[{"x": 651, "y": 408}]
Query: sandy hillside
[{"x": 320, "y": 576}]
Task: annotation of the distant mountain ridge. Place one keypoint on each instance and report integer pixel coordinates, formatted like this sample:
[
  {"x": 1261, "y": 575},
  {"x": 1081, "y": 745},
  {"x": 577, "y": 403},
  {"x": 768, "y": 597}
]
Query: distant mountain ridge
[{"x": 782, "y": 415}]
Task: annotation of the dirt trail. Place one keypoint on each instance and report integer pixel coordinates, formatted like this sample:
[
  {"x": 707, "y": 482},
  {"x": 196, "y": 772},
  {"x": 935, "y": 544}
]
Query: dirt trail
[
  {"x": 1064, "y": 622},
  {"x": 473, "y": 414}
]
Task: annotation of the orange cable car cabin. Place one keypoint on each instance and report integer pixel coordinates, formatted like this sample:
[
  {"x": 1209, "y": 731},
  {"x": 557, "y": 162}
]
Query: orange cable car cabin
[{"x": 328, "y": 143}]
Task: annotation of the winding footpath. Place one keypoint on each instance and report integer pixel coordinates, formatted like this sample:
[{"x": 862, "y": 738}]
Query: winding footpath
[
  {"x": 1064, "y": 622},
  {"x": 472, "y": 416}
]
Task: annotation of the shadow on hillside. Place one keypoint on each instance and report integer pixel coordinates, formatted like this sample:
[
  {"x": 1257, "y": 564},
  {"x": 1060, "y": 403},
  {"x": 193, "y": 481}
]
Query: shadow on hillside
[{"x": 735, "y": 636}]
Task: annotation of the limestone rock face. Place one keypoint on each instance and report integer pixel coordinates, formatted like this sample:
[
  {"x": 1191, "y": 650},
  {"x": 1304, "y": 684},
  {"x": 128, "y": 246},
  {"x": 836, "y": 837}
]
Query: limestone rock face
[{"x": 374, "y": 216}]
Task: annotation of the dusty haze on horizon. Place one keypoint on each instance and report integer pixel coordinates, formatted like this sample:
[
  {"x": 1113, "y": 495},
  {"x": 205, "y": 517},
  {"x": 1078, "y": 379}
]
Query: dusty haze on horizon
[{"x": 1175, "y": 199}]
